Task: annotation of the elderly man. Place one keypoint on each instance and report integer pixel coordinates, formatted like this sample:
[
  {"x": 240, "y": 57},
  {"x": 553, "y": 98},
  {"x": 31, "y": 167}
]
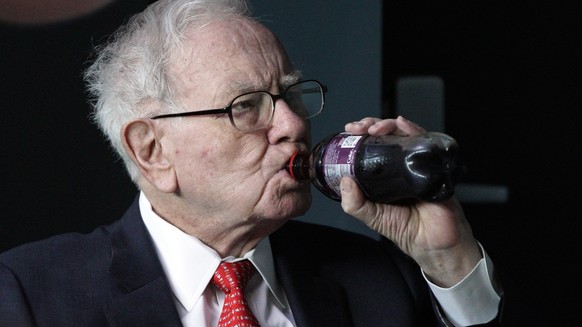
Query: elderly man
[{"x": 205, "y": 109}]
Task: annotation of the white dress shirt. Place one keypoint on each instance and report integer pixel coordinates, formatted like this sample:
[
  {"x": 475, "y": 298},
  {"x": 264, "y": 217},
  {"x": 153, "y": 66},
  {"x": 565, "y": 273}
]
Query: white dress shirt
[{"x": 189, "y": 266}]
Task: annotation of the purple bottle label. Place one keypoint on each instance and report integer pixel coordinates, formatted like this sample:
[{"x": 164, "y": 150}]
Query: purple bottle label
[{"x": 338, "y": 159}]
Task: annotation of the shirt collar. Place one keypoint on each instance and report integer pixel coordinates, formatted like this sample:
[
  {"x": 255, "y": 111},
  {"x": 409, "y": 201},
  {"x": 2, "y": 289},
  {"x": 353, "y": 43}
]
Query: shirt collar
[{"x": 190, "y": 264}]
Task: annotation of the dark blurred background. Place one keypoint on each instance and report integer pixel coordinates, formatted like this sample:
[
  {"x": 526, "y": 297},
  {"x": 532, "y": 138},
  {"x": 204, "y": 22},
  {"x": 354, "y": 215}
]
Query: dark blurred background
[
  {"x": 513, "y": 92},
  {"x": 509, "y": 85},
  {"x": 57, "y": 172}
]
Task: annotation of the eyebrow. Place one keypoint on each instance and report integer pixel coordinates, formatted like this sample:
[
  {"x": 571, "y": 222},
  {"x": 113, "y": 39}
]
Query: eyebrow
[
  {"x": 285, "y": 81},
  {"x": 242, "y": 87},
  {"x": 291, "y": 78}
]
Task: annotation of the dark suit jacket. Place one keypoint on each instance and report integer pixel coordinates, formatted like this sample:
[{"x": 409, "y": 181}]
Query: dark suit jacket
[{"x": 112, "y": 277}]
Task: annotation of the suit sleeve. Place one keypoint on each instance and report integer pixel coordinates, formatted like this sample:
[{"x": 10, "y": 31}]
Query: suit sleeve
[{"x": 14, "y": 308}]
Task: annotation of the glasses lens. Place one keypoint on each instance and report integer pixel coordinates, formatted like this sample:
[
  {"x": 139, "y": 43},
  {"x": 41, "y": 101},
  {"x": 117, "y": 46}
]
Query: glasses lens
[
  {"x": 305, "y": 98},
  {"x": 252, "y": 111}
]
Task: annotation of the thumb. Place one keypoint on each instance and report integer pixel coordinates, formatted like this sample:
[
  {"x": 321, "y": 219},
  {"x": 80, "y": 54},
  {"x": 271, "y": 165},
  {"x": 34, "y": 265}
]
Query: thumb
[
  {"x": 353, "y": 199},
  {"x": 355, "y": 204}
]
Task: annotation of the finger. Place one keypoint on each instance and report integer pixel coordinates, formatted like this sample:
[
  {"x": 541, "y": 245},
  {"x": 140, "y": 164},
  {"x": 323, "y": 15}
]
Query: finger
[
  {"x": 361, "y": 126},
  {"x": 383, "y": 127},
  {"x": 355, "y": 204},
  {"x": 352, "y": 197},
  {"x": 408, "y": 127},
  {"x": 376, "y": 126}
]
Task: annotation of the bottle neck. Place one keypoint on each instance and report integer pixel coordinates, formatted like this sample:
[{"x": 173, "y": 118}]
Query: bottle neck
[{"x": 298, "y": 166}]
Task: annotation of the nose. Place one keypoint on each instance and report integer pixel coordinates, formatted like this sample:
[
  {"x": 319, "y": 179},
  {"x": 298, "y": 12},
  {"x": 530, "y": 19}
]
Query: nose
[{"x": 287, "y": 125}]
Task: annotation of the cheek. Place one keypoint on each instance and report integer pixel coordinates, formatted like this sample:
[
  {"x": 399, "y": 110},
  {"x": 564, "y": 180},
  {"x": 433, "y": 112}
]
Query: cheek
[
  {"x": 224, "y": 164},
  {"x": 231, "y": 159},
  {"x": 282, "y": 200},
  {"x": 216, "y": 164}
]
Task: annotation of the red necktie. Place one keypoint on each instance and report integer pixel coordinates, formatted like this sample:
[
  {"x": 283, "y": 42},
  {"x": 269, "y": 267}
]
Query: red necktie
[{"x": 231, "y": 278}]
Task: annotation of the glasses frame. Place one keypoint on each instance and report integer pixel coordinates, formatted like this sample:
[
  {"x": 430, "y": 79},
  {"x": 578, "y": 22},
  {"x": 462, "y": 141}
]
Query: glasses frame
[{"x": 228, "y": 108}]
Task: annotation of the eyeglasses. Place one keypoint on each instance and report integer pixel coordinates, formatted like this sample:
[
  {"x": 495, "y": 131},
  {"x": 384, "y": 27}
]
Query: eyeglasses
[{"x": 254, "y": 110}]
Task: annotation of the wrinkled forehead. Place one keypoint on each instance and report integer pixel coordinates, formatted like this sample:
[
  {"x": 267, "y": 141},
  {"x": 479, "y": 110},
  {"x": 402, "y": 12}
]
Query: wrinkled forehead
[
  {"x": 224, "y": 55},
  {"x": 237, "y": 33}
]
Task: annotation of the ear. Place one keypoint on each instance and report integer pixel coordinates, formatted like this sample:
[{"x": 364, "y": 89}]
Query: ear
[{"x": 141, "y": 142}]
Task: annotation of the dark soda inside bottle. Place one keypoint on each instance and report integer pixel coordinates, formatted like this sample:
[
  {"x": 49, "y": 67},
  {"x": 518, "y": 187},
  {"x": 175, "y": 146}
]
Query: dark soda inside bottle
[{"x": 388, "y": 168}]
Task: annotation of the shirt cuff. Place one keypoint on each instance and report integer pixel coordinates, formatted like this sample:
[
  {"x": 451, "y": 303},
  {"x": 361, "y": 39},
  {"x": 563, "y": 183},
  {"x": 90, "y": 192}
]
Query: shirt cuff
[{"x": 473, "y": 300}]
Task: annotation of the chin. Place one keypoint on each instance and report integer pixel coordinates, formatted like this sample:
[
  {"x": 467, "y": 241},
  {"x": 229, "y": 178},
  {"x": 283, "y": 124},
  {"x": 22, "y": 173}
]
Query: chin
[
  {"x": 291, "y": 205},
  {"x": 297, "y": 205}
]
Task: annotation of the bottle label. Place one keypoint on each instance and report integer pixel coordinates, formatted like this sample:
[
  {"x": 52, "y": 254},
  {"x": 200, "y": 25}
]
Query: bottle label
[{"x": 338, "y": 159}]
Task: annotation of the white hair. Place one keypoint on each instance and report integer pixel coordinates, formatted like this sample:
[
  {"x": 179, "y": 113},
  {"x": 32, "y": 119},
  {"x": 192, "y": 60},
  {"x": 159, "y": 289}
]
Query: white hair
[{"x": 128, "y": 78}]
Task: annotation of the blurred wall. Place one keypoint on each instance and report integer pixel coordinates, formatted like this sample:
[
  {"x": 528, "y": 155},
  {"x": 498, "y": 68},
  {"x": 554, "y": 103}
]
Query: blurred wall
[{"x": 512, "y": 92}]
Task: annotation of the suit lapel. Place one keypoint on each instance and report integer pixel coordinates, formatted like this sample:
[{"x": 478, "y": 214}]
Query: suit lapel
[
  {"x": 145, "y": 297},
  {"x": 151, "y": 305},
  {"x": 314, "y": 302}
]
